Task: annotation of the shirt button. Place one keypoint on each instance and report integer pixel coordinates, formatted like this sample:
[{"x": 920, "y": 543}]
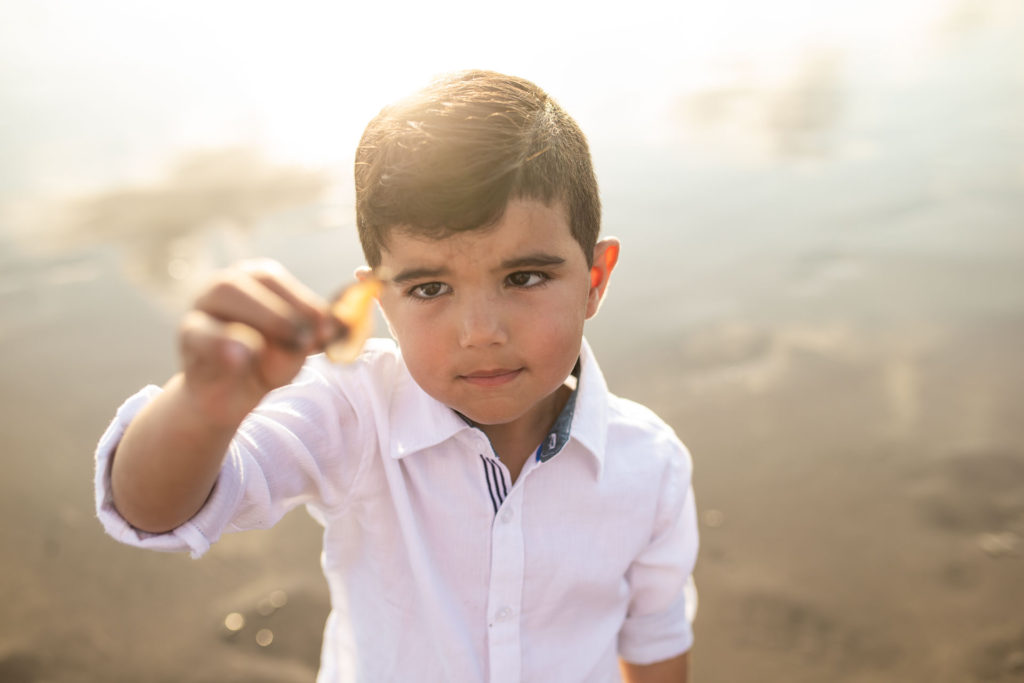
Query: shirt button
[
  {"x": 507, "y": 516},
  {"x": 503, "y": 614}
]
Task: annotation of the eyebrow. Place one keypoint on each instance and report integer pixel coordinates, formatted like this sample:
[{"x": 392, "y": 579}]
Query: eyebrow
[
  {"x": 410, "y": 274},
  {"x": 536, "y": 260}
]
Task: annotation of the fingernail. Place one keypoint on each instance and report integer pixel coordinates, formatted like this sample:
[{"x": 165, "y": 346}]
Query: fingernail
[{"x": 236, "y": 353}]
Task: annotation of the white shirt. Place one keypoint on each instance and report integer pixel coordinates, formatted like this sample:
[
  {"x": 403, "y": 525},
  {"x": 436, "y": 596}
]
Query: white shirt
[{"x": 439, "y": 568}]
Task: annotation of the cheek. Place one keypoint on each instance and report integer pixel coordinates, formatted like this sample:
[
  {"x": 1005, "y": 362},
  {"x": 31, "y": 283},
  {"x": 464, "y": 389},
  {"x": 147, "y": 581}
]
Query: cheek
[
  {"x": 554, "y": 332},
  {"x": 425, "y": 365},
  {"x": 421, "y": 340}
]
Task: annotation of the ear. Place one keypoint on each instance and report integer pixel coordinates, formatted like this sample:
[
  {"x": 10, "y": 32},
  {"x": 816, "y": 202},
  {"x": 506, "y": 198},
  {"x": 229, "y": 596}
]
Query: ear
[{"x": 606, "y": 255}]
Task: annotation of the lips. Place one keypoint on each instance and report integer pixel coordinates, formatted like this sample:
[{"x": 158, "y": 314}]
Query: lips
[{"x": 491, "y": 378}]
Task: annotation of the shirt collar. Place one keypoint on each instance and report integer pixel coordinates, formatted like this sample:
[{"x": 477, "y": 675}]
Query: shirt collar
[
  {"x": 590, "y": 416},
  {"x": 420, "y": 421}
]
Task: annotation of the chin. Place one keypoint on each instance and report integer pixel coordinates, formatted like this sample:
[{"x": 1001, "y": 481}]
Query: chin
[{"x": 488, "y": 415}]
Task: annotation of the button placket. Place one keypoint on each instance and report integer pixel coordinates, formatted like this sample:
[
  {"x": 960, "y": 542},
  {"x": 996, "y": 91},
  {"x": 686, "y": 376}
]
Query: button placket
[{"x": 505, "y": 590}]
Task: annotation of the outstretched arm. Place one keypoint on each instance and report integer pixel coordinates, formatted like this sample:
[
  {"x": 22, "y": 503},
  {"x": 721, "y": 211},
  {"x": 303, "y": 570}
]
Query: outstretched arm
[
  {"x": 675, "y": 670},
  {"x": 249, "y": 333}
]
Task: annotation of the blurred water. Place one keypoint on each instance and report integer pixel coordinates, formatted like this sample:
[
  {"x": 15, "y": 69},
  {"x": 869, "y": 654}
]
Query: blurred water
[{"x": 724, "y": 136}]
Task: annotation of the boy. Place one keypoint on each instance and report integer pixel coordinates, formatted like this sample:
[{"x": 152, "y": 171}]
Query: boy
[{"x": 490, "y": 511}]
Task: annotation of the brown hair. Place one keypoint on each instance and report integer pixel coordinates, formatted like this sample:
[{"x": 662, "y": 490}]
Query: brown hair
[{"x": 450, "y": 157}]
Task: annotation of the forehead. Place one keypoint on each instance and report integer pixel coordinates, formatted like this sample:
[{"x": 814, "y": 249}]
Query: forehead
[{"x": 527, "y": 225}]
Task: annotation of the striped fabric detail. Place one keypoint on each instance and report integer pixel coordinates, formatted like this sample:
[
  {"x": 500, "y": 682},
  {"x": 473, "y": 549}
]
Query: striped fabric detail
[{"x": 496, "y": 484}]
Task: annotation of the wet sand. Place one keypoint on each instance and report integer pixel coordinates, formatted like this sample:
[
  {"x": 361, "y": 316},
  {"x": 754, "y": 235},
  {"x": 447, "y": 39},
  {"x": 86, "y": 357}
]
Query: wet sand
[{"x": 859, "y": 470}]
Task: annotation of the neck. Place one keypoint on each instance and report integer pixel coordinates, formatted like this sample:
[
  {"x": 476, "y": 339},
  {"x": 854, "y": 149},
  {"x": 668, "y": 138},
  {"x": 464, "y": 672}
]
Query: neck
[{"x": 515, "y": 442}]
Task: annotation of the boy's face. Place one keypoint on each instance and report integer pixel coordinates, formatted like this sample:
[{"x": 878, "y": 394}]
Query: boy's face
[{"x": 490, "y": 321}]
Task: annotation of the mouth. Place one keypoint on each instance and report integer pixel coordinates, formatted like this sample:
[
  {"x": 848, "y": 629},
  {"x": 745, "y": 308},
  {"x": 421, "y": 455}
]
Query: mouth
[{"x": 491, "y": 378}]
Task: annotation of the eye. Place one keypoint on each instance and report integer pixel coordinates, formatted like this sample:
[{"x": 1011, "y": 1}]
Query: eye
[
  {"x": 429, "y": 290},
  {"x": 527, "y": 278}
]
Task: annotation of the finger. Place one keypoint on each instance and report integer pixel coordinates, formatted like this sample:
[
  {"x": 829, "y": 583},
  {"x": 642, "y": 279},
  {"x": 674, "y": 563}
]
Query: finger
[
  {"x": 235, "y": 296},
  {"x": 225, "y": 366},
  {"x": 307, "y": 303},
  {"x": 231, "y": 353},
  {"x": 212, "y": 348}
]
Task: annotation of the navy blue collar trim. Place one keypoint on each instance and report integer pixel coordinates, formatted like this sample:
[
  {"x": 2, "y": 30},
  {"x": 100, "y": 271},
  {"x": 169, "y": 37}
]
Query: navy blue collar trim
[{"x": 559, "y": 434}]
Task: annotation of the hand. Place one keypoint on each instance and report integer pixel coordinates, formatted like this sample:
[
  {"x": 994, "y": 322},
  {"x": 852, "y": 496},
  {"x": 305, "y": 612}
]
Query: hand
[{"x": 249, "y": 332}]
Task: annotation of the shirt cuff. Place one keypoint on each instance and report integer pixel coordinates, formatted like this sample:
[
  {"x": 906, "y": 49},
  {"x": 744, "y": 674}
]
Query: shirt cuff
[
  {"x": 650, "y": 638},
  {"x": 195, "y": 535}
]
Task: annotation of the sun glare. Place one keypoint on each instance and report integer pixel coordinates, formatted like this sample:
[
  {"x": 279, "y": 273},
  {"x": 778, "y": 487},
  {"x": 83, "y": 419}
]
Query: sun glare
[{"x": 301, "y": 79}]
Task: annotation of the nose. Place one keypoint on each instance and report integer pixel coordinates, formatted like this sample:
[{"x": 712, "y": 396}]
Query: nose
[{"x": 481, "y": 322}]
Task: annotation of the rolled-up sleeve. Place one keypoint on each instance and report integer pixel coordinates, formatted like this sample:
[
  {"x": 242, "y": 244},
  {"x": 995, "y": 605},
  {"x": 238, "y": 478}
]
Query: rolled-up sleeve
[
  {"x": 663, "y": 603},
  {"x": 300, "y": 446},
  {"x": 195, "y": 535}
]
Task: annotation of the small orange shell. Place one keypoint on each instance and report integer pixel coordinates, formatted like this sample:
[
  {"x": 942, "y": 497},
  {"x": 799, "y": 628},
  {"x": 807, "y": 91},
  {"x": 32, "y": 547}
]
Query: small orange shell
[{"x": 353, "y": 309}]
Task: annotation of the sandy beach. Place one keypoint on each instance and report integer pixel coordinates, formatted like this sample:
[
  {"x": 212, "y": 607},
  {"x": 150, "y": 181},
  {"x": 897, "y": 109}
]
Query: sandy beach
[
  {"x": 833, "y": 325},
  {"x": 860, "y": 481}
]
